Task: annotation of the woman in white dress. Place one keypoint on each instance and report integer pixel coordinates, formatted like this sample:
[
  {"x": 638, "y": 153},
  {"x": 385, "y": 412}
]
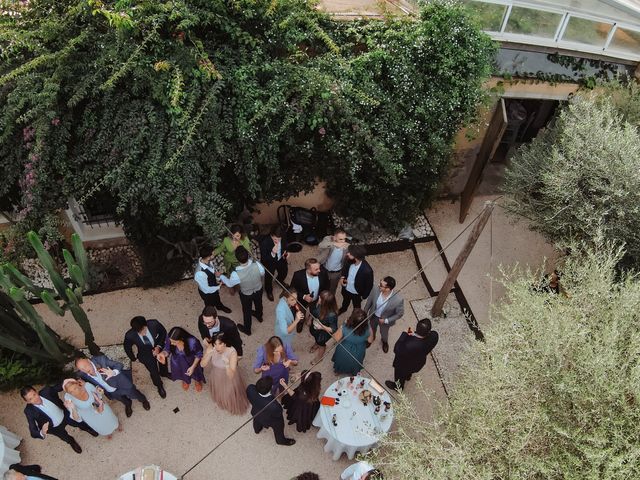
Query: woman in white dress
[{"x": 85, "y": 403}]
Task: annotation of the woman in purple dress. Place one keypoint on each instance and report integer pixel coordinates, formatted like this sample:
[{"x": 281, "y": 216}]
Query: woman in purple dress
[
  {"x": 274, "y": 359},
  {"x": 185, "y": 352}
]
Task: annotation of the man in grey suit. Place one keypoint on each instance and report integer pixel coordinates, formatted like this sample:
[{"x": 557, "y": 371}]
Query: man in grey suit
[
  {"x": 116, "y": 382},
  {"x": 384, "y": 307}
]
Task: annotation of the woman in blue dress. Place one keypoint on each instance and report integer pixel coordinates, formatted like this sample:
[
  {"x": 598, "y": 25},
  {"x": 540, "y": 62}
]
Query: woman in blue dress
[
  {"x": 85, "y": 404},
  {"x": 185, "y": 353},
  {"x": 352, "y": 337},
  {"x": 288, "y": 315}
]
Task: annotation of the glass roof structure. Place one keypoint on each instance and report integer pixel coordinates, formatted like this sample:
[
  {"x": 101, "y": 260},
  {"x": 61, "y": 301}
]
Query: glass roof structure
[
  {"x": 609, "y": 28},
  {"x": 603, "y": 27}
]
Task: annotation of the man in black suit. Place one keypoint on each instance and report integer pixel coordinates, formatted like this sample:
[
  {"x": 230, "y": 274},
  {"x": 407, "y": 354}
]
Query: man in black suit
[
  {"x": 411, "y": 351},
  {"x": 148, "y": 336},
  {"x": 309, "y": 282},
  {"x": 267, "y": 412},
  {"x": 47, "y": 416},
  {"x": 210, "y": 325},
  {"x": 116, "y": 382},
  {"x": 26, "y": 472},
  {"x": 357, "y": 278},
  {"x": 273, "y": 255}
]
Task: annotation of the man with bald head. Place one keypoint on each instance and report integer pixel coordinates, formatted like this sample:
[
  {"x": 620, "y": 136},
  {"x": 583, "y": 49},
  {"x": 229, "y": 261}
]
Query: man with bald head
[{"x": 113, "y": 379}]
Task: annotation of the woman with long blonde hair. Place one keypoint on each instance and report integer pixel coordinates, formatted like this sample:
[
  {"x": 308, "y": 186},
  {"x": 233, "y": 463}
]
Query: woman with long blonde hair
[{"x": 274, "y": 359}]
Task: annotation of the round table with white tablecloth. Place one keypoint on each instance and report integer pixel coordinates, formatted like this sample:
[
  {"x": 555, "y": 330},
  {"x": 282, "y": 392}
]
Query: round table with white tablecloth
[
  {"x": 8, "y": 453},
  {"x": 151, "y": 471},
  {"x": 357, "y": 427}
]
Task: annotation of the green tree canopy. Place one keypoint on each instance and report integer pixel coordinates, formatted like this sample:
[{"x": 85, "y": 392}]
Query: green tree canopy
[
  {"x": 187, "y": 110},
  {"x": 580, "y": 179},
  {"x": 552, "y": 393}
]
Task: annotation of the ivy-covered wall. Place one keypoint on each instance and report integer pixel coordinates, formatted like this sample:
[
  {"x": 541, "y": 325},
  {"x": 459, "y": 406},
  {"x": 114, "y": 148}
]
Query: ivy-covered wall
[{"x": 188, "y": 110}]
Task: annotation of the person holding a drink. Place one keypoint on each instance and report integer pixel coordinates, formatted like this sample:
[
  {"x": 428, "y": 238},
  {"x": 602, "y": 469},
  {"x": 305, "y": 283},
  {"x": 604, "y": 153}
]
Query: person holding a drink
[
  {"x": 274, "y": 359},
  {"x": 288, "y": 315}
]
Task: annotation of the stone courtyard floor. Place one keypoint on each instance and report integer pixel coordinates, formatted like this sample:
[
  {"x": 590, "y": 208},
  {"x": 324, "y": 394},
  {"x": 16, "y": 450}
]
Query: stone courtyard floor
[{"x": 177, "y": 441}]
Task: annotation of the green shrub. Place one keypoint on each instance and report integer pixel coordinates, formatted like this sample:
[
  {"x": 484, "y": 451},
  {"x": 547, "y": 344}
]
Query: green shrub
[
  {"x": 580, "y": 179},
  {"x": 552, "y": 393},
  {"x": 199, "y": 108},
  {"x": 18, "y": 370}
]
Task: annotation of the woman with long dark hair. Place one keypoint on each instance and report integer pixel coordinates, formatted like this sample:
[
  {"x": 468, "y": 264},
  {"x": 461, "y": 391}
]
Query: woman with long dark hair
[
  {"x": 326, "y": 313},
  {"x": 184, "y": 352},
  {"x": 228, "y": 247},
  {"x": 353, "y": 337},
  {"x": 303, "y": 403},
  {"x": 226, "y": 384}
]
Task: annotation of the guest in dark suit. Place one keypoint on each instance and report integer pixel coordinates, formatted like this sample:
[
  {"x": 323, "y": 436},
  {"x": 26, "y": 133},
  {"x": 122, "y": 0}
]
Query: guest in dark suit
[
  {"x": 357, "y": 278},
  {"x": 148, "y": 336},
  {"x": 273, "y": 256},
  {"x": 266, "y": 411},
  {"x": 411, "y": 351},
  {"x": 113, "y": 379},
  {"x": 47, "y": 416},
  {"x": 26, "y": 472},
  {"x": 211, "y": 325},
  {"x": 309, "y": 282}
]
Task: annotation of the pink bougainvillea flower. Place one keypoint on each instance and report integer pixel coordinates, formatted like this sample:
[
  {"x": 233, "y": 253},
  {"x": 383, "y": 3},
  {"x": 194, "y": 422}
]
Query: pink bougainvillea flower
[{"x": 322, "y": 131}]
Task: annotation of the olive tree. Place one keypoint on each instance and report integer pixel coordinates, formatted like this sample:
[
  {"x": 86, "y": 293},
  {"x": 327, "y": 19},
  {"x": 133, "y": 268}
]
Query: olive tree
[
  {"x": 580, "y": 179},
  {"x": 552, "y": 393}
]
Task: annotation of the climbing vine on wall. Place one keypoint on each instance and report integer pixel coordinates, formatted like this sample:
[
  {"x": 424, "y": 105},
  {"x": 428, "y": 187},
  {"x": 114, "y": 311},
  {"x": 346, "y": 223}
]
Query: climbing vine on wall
[{"x": 192, "y": 109}]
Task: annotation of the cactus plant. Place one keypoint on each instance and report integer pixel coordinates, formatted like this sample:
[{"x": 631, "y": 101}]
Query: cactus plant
[
  {"x": 64, "y": 296},
  {"x": 21, "y": 312},
  {"x": 71, "y": 298}
]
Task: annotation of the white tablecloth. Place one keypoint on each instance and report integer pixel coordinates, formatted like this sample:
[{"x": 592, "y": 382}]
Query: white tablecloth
[
  {"x": 8, "y": 454},
  {"x": 358, "y": 427},
  {"x": 129, "y": 475}
]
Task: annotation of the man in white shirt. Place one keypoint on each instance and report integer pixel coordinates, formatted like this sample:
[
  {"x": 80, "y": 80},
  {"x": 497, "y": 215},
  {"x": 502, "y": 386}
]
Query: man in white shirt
[
  {"x": 384, "y": 308},
  {"x": 357, "y": 278},
  {"x": 332, "y": 252},
  {"x": 205, "y": 277},
  {"x": 46, "y": 415},
  {"x": 249, "y": 276},
  {"x": 361, "y": 471},
  {"x": 117, "y": 383}
]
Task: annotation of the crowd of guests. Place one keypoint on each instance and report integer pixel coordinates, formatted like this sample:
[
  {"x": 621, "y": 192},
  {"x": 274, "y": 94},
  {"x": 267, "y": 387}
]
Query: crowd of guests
[{"x": 309, "y": 301}]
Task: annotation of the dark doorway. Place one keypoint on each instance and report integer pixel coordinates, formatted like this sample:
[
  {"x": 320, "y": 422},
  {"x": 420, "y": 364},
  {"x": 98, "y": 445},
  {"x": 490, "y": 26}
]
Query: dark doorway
[{"x": 524, "y": 119}]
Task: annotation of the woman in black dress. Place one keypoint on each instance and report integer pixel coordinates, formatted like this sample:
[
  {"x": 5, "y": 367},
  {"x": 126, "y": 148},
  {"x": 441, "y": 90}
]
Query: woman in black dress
[
  {"x": 326, "y": 311},
  {"x": 304, "y": 402}
]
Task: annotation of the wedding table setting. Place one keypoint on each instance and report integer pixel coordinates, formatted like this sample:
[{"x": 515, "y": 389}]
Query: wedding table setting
[
  {"x": 354, "y": 413},
  {"x": 150, "y": 472}
]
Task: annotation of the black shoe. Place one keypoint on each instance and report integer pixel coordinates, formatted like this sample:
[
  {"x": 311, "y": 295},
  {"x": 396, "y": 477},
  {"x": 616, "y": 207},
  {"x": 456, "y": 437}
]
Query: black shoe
[
  {"x": 255, "y": 315},
  {"x": 288, "y": 442},
  {"x": 145, "y": 405},
  {"x": 257, "y": 429},
  {"x": 270, "y": 296},
  {"x": 385, "y": 347},
  {"x": 243, "y": 330},
  {"x": 75, "y": 446},
  {"x": 93, "y": 433},
  {"x": 128, "y": 410},
  {"x": 368, "y": 344},
  {"x": 162, "y": 392},
  {"x": 391, "y": 385},
  {"x": 224, "y": 309}
]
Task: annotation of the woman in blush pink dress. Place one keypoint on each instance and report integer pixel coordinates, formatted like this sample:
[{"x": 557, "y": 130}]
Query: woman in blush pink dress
[{"x": 220, "y": 361}]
